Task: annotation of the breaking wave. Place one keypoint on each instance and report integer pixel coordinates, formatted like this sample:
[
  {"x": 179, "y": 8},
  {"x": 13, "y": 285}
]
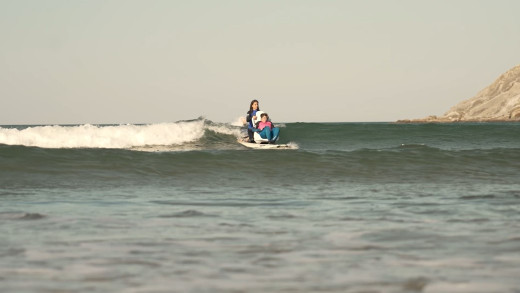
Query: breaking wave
[{"x": 113, "y": 136}]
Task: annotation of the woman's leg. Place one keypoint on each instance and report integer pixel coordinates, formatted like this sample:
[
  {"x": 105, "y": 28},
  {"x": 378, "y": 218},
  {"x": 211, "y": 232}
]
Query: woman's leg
[{"x": 250, "y": 134}]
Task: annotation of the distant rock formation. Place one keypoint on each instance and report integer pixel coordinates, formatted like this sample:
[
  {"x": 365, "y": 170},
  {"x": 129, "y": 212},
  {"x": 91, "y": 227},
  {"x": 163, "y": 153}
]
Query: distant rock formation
[{"x": 498, "y": 102}]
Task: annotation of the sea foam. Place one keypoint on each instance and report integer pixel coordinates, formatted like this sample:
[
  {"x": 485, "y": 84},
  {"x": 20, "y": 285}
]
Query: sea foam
[{"x": 115, "y": 136}]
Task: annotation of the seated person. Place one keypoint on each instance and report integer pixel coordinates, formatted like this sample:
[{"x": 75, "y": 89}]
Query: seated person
[
  {"x": 266, "y": 128},
  {"x": 250, "y": 118}
]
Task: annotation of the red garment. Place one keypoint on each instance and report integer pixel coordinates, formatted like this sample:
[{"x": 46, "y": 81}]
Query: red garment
[{"x": 262, "y": 125}]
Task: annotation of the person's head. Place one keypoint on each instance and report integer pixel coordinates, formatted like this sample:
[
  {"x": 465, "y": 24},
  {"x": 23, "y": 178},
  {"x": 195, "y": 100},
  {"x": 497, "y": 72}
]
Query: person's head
[
  {"x": 254, "y": 106},
  {"x": 264, "y": 117}
]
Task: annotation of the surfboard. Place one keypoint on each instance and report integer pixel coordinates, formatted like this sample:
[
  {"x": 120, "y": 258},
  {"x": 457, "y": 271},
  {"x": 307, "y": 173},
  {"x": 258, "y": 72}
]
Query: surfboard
[{"x": 262, "y": 146}]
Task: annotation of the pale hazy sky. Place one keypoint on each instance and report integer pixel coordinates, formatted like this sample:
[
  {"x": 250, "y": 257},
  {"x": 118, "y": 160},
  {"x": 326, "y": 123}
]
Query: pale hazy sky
[{"x": 73, "y": 61}]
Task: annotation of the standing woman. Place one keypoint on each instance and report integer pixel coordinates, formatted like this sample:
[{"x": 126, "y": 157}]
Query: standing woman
[{"x": 251, "y": 115}]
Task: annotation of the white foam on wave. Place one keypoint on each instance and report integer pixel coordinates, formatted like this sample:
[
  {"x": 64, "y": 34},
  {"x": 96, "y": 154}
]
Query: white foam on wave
[
  {"x": 225, "y": 129},
  {"x": 92, "y": 136},
  {"x": 239, "y": 121},
  {"x": 293, "y": 145}
]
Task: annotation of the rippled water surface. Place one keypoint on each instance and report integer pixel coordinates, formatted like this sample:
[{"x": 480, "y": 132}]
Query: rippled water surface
[{"x": 357, "y": 207}]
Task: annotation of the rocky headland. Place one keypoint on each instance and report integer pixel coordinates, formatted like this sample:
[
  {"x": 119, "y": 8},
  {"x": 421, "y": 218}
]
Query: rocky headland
[{"x": 498, "y": 102}]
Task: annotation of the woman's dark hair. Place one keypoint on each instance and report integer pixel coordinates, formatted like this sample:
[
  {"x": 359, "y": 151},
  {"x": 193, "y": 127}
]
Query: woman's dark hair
[{"x": 251, "y": 106}]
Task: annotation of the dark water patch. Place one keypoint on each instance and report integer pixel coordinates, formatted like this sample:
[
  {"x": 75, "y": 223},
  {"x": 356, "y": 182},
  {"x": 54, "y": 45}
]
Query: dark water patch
[
  {"x": 282, "y": 217},
  {"x": 221, "y": 239},
  {"x": 477, "y": 220},
  {"x": 351, "y": 219},
  {"x": 32, "y": 216},
  {"x": 508, "y": 245},
  {"x": 398, "y": 235},
  {"x": 191, "y": 262},
  {"x": 130, "y": 262},
  {"x": 21, "y": 216},
  {"x": 411, "y": 285},
  {"x": 274, "y": 203},
  {"x": 235, "y": 270},
  {"x": 515, "y": 239},
  {"x": 405, "y": 204},
  {"x": 268, "y": 261},
  {"x": 476, "y": 197},
  {"x": 162, "y": 243},
  {"x": 12, "y": 252},
  {"x": 340, "y": 198},
  {"x": 14, "y": 193},
  {"x": 433, "y": 212},
  {"x": 239, "y": 225},
  {"x": 511, "y": 193},
  {"x": 273, "y": 232},
  {"x": 415, "y": 284},
  {"x": 390, "y": 219},
  {"x": 187, "y": 214},
  {"x": 415, "y": 146},
  {"x": 108, "y": 277},
  {"x": 366, "y": 247},
  {"x": 267, "y": 249}
]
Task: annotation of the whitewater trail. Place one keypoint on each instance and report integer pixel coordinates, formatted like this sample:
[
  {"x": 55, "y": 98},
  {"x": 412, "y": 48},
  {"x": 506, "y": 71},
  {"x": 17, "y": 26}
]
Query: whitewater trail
[{"x": 113, "y": 136}]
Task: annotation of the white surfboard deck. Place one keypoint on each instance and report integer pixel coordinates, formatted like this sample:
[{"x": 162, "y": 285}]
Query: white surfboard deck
[{"x": 261, "y": 146}]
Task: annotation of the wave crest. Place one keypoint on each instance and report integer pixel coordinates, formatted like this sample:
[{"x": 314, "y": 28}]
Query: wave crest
[{"x": 112, "y": 136}]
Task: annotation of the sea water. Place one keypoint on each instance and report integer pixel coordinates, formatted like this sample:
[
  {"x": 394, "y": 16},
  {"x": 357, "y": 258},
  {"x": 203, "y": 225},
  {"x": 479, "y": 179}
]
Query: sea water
[{"x": 182, "y": 207}]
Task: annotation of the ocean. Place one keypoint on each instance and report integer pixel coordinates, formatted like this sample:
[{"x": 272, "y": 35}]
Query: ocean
[{"x": 182, "y": 207}]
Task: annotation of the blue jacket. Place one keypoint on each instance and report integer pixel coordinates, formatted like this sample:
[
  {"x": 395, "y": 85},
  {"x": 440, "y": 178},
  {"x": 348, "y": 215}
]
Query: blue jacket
[{"x": 249, "y": 118}]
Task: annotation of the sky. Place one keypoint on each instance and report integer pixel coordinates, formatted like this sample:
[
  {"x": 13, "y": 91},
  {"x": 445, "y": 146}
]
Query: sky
[{"x": 128, "y": 61}]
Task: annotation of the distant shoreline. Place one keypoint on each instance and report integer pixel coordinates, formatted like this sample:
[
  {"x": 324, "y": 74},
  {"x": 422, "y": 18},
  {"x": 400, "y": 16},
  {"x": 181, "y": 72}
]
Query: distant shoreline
[{"x": 499, "y": 102}]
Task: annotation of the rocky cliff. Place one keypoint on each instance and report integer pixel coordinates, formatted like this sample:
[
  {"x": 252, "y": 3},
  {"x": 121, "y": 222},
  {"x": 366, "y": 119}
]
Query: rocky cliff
[{"x": 498, "y": 102}]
